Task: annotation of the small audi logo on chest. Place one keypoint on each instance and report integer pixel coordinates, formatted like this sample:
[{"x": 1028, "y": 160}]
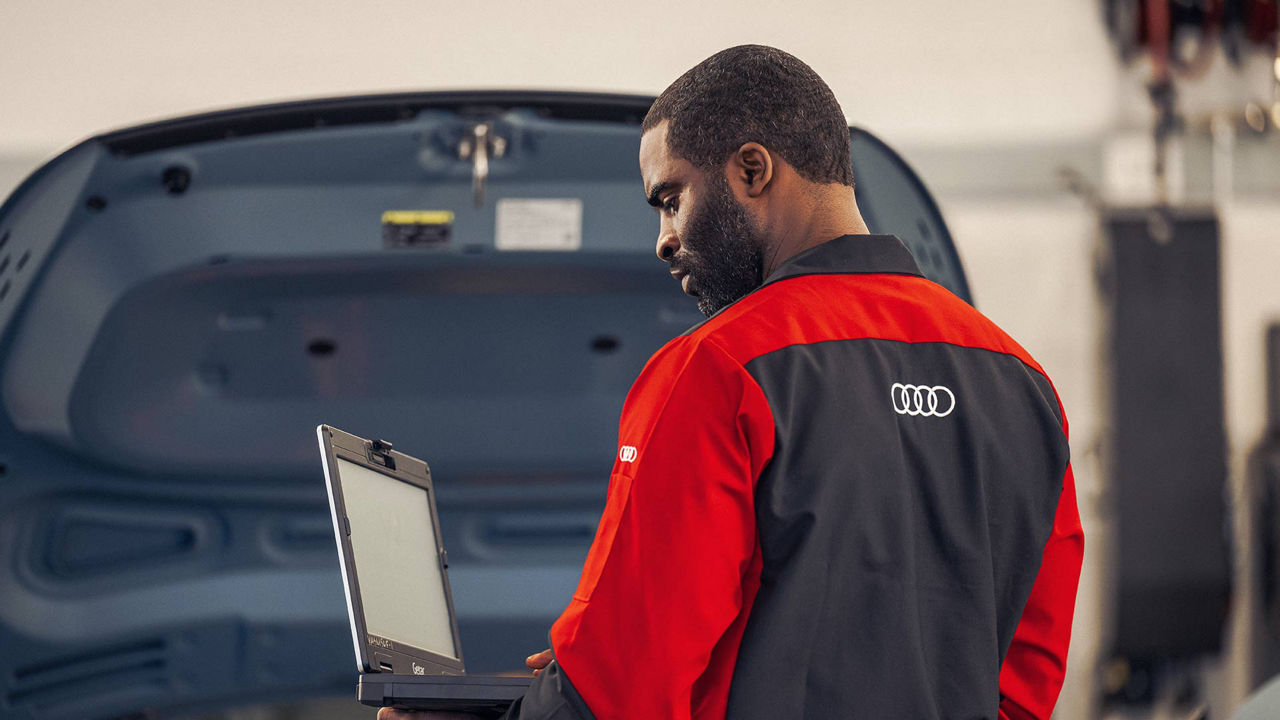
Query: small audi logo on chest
[
  {"x": 922, "y": 400},
  {"x": 627, "y": 453}
]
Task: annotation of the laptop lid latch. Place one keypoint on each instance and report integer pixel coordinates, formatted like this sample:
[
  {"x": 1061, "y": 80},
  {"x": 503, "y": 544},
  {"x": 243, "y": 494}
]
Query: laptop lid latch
[{"x": 380, "y": 453}]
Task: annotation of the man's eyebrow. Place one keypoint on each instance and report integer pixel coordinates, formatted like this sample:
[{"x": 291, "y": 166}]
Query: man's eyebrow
[{"x": 656, "y": 191}]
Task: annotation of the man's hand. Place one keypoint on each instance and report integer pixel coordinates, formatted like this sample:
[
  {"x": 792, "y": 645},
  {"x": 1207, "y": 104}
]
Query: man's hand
[
  {"x": 387, "y": 713},
  {"x": 538, "y": 661}
]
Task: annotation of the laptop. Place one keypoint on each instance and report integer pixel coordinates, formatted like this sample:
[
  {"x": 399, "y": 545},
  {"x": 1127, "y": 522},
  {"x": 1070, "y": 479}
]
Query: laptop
[{"x": 395, "y": 573}]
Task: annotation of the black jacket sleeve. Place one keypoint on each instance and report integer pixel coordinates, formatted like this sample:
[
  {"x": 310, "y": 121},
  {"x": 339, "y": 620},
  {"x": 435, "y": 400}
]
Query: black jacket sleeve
[{"x": 550, "y": 697}]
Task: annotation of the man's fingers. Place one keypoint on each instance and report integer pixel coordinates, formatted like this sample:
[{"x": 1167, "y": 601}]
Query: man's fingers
[
  {"x": 537, "y": 661},
  {"x": 387, "y": 713}
]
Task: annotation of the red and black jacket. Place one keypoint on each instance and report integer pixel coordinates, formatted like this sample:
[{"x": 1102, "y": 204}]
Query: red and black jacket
[{"x": 847, "y": 494}]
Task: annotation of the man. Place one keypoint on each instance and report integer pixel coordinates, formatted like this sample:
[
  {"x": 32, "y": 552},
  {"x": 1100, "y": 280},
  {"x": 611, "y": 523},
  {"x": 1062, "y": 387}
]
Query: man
[{"x": 844, "y": 494}]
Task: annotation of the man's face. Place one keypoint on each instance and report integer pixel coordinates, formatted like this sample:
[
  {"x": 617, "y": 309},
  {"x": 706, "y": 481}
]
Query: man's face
[{"x": 714, "y": 247}]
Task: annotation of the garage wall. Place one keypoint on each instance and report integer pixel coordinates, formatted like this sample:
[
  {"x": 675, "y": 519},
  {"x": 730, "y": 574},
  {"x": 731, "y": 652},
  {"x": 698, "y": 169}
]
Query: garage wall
[
  {"x": 998, "y": 70},
  {"x": 998, "y": 74}
]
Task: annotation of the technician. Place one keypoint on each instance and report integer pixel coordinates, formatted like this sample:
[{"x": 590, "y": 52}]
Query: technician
[{"x": 846, "y": 494}]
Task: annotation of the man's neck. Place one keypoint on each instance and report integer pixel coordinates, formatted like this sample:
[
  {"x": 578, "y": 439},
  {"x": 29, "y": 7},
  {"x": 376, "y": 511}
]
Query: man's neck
[{"x": 832, "y": 213}]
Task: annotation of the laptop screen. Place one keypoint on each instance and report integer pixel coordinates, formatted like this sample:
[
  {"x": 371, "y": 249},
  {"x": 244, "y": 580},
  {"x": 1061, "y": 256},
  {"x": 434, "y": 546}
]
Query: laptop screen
[{"x": 394, "y": 546}]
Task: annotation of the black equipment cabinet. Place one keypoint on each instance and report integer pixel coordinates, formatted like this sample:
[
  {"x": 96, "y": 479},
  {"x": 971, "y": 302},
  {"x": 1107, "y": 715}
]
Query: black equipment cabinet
[{"x": 1166, "y": 453}]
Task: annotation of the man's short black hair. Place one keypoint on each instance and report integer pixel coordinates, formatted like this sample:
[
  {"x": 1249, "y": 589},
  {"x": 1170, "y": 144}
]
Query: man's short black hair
[{"x": 754, "y": 93}]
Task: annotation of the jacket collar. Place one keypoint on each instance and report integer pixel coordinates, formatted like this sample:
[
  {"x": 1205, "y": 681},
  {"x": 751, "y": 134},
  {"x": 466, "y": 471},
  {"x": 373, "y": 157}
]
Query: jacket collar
[
  {"x": 850, "y": 254},
  {"x": 846, "y": 255}
]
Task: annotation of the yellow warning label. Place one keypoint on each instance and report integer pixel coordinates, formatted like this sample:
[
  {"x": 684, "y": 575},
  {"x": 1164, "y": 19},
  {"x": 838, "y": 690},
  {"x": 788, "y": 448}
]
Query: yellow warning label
[{"x": 417, "y": 217}]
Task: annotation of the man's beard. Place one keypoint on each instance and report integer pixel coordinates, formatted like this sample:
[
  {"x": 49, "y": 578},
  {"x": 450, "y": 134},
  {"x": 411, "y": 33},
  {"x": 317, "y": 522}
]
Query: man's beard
[{"x": 722, "y": 250}]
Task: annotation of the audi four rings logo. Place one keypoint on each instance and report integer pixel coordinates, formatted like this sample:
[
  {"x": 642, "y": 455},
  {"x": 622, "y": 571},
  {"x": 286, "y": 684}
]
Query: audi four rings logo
[
  {"x": 627, "y": 453},
  {"x": 922, "y": 400}
]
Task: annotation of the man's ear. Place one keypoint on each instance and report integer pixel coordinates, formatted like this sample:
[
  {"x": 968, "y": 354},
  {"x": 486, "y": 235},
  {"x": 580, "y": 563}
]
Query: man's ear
[{"x": 751, "y": 168}]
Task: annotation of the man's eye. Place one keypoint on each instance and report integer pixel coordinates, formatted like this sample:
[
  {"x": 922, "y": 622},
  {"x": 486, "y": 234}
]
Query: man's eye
[{"x": 669, "y": 206}]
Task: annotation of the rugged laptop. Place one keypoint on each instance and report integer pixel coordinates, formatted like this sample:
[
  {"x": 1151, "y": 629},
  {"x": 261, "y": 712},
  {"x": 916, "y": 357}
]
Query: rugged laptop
[{"x": 395, "y": 575}]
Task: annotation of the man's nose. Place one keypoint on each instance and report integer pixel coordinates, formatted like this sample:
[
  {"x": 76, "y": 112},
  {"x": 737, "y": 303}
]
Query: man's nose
[{"x": 668, "y": 245}]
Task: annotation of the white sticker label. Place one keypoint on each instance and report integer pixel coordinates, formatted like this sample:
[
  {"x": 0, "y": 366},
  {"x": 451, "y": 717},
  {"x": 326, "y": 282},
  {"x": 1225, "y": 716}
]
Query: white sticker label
[{"x": 539, "y": 224}]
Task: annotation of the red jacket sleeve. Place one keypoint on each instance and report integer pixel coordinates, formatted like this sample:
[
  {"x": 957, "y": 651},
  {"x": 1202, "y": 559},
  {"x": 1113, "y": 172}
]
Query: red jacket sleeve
[
  {"x": 1036, "y": 662},
  {"x": 653, "y": 628}
]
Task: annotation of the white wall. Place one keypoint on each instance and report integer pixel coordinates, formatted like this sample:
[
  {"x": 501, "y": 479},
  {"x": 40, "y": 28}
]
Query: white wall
[
  {"x": 945, "y": 74},
  {"x": 991, "y": 70}
]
